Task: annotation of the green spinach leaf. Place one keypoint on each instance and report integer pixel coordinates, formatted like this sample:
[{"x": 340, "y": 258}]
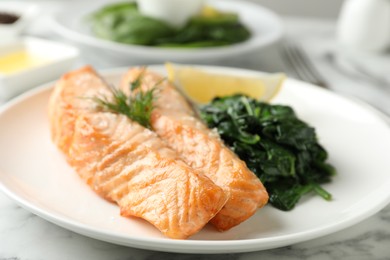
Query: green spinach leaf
[{"x": 282, "y": 150}]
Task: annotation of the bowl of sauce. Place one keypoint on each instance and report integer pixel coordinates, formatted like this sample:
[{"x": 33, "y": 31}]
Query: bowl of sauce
[
  {"x": 27, "y": 62},
  {"x": 8, "y": 18},
  {"x": 15, "y": 16},
  {"x": 20, "y": 60}
]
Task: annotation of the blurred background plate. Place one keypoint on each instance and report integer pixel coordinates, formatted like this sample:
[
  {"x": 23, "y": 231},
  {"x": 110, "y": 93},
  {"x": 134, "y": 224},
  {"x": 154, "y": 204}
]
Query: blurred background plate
[{"x": 266, "y": 28}]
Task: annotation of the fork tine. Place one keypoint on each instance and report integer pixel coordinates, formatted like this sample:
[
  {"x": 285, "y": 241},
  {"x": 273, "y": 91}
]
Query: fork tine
[
  {"x": 309, "y": 65},
  {"x": 302, "y": 65},
  {"x": 294, "y": 63}
]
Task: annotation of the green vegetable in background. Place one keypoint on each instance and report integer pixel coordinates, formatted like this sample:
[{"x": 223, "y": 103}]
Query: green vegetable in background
[
  {"x": 279, "y": 148},
  {"x": 223, "y": 29},
  {"x": 121, "y": 22}
]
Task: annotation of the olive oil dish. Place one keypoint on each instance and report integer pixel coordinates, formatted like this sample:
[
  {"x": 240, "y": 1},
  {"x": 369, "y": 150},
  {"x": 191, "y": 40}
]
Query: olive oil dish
[{"x": 35, "y": 59}]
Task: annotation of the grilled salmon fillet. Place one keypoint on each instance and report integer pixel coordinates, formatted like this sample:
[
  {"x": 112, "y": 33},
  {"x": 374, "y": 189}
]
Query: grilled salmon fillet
[
  {"x": 126, "y": 163},
  {"x": 175, "y": 121}
]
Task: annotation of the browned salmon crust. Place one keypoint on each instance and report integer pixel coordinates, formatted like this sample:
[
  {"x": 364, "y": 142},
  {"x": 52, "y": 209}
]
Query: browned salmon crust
[
  {"x": 175, "y": 122},
  {"x": 127, "y": 163}
]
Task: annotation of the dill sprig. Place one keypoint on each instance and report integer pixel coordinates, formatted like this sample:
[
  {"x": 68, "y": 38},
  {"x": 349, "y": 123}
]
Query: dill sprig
[
  {"x": 138, "y": 106},
  {"x": 137, "y": 82}
]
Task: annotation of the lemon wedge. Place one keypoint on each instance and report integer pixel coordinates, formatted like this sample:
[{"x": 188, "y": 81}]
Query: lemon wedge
[
  {"x": 208, "y": 11},
  {"x": 201, "y": 86}
]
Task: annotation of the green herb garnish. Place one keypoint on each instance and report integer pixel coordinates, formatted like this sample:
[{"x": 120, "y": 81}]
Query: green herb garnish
[
  {"x": 282, "y": 150},
  {"x": 138, "y": 106},
  {"x": 137, "y": 82}
]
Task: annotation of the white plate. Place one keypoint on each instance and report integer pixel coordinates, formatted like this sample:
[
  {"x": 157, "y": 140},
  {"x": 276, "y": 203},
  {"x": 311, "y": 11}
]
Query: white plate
[
  {"x": 266, "y": 28},
  {"x": 34, "y": 173}
]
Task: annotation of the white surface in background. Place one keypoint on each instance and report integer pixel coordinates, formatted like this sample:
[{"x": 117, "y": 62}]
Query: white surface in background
[{"x": 309, "y": 8}]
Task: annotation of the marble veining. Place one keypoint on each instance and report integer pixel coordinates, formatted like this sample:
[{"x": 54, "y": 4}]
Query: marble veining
[{"x": 25, "y": 236}]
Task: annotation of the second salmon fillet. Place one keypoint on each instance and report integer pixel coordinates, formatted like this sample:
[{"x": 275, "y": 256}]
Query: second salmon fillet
[
  {"x": 174, "y": 121},
  {"x": 127, "y": 163}
]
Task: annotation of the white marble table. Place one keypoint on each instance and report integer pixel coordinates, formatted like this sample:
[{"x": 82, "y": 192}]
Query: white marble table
[{"x": 24, "y": 236}]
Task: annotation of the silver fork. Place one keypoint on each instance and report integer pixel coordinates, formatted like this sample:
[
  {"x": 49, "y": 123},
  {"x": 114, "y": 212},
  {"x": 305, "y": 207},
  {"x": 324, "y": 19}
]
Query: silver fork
[{"x": 301, "y": 64}]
